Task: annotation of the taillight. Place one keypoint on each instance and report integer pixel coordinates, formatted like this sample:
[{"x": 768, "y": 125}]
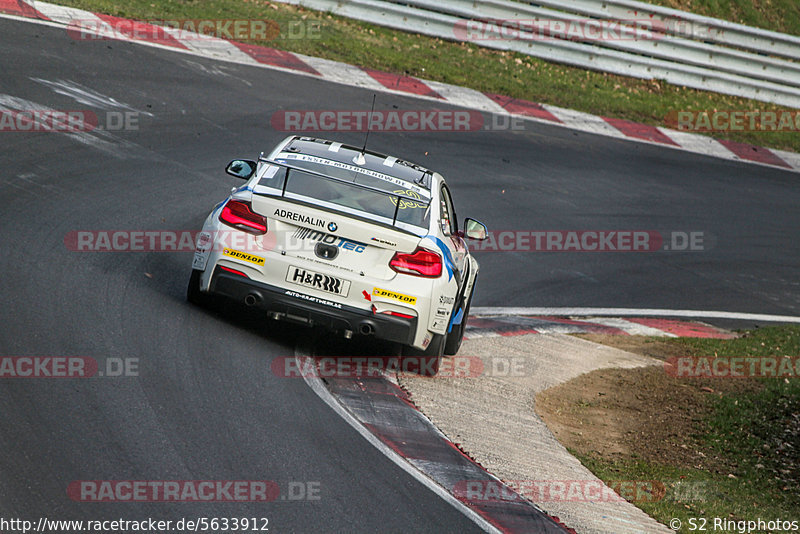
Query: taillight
[
  {"x": 421, "y": 262},
  {"x": 239, "y": 215},
  {"x": 398, "y": 314},
  {"x": 233, "y": 271}
]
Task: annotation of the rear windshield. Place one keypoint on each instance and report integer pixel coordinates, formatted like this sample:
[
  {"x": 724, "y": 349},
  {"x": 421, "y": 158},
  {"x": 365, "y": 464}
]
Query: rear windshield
[
  {"x": 351, "y": 173},
  {"x": 399, "y": 205}
]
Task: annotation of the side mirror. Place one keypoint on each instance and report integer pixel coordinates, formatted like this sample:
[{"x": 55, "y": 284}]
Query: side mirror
[
  {"x": 475, "y": 229},
  {"x": 241, "y": 168}
]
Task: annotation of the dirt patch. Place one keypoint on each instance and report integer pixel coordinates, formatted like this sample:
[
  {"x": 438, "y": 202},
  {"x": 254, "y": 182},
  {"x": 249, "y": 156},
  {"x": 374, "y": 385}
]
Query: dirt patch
[
  {"x": 640, "y": 414},
  {"x": 660, "y": 349}
]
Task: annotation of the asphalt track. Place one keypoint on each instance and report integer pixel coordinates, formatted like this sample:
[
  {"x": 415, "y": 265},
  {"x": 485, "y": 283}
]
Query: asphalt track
[{"x": 206, "y": 405}]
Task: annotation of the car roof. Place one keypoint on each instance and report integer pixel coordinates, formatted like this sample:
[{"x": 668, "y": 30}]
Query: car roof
[{"x": 373, "y": 161}]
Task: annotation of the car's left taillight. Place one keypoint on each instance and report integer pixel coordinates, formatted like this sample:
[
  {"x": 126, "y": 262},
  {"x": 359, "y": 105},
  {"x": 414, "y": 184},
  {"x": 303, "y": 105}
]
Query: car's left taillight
[
  {"x": 240, "y": 215},
  {"x": 421, "y": 262}
]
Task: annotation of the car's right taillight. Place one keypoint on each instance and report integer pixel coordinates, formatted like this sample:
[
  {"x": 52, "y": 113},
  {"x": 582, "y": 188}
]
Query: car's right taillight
[
  {"x": 421, "y": 262},
  {"x": 239, "y": 215}
]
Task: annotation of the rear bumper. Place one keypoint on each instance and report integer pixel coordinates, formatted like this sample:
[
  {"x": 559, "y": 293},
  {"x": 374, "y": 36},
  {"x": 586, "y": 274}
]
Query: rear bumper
[{"x": 295, "y": 306}]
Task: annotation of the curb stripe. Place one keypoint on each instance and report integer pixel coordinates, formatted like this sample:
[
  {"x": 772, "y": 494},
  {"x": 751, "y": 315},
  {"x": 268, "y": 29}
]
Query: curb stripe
[
  {"x": 20, "y": 8},
  {"x": 276, "y": 58},
  {"x": 640, "y": 131},
  {"x": 584, "y": 122},
  {"x": 631, "y": 328},
  {"x": 590, "y": 327},
  {"x": 342, "y": 73},
  {"x": 133, "y": 30},
  {"x": 318, "y": 387},
  {"x": 405, "y": 430},
  {"x": 406, "y": 84},
  {"x": 516, "y": 106},
  {"x": 754, "y": 153},
  {"x": 682, "y": 328}
]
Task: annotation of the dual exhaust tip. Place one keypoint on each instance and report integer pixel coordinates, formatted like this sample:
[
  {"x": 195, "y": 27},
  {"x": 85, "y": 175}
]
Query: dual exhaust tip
[{"x": 365, "y": 328}]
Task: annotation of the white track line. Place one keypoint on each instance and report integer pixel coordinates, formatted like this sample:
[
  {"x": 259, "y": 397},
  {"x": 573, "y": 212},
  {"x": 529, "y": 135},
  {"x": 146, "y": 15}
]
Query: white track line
[
  {"x": 322, "y": 392},
  {"x": 634, "y": 312}
]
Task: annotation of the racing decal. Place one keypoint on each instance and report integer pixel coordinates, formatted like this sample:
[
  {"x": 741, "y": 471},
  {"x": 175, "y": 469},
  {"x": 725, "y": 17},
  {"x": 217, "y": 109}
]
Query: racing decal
[
  {"x": 327, "y": 263},
  {"x": 323, "y": 282},
  {"x": 383, "y": 241},
  {"x": 446, "y": 300},
  {"x": 258, "y": 260},
  {"x": 427, "y": 340},
  {"x": 353, "y": 168},
  {"x": 442, "y": 312},
  {"x": 202, "y": 249},
  {"x": 404, "y": 202},
  {"x": 299, "y": 217},
  {"x": 341, "y": 242},
  {"x": 449, "y": 263},
  {"x": 295, "y": 294},
  {"x": 378, "y": 292}
]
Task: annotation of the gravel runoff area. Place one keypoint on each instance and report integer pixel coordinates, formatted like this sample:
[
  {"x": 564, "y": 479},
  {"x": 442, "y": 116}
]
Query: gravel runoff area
[{"x": 492, "y": 418}]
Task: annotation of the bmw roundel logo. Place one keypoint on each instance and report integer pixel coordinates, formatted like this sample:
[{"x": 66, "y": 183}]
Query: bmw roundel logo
[{"x": 332, "y": 227}]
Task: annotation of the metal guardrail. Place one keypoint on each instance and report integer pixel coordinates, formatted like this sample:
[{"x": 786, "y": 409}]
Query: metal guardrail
[
  {"x": 688, "y": 25},
  {"x": 664, "y": 44},
  {"x": 710, "y": 64}
]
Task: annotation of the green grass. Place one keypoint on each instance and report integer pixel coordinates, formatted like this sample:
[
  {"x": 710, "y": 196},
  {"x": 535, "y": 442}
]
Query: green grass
[
  {"x": 776, "y": 15},
  {"x": 468, "y": 65},
  {"x": 755, "y": 436}
]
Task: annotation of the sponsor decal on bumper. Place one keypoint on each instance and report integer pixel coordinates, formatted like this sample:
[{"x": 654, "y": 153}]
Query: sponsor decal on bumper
[
  {"x": 258, "y": 260},
  {"x": 315, "y": 300},
  {"x": 385, "y": 293},
  {"x": 323, "y": 282}
]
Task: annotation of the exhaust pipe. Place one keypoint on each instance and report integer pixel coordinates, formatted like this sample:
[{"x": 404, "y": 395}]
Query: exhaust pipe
[
  {"x": 366, "y": 329},
  {"x": 252, "y": 299}
]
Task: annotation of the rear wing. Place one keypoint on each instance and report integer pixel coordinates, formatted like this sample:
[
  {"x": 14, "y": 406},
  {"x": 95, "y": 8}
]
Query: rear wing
[{"x": 402, "y": 208}]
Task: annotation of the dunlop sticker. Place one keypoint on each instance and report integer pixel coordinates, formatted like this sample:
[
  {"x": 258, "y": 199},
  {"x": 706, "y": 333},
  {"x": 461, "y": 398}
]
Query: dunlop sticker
[
  {"x": 243, "y": 256},
  {"x": 378, "y": 292}
]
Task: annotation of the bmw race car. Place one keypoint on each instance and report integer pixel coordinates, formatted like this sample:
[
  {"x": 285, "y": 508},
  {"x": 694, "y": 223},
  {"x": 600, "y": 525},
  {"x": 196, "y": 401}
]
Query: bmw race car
[{"x": 359, "y": 242}]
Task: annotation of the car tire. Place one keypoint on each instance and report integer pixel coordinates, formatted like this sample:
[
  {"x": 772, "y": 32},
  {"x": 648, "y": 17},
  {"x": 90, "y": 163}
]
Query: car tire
[
  {"x": 456, "y": 335},
  {"x": 193, "y": 293},
  {"x": 424, "y": 362}
]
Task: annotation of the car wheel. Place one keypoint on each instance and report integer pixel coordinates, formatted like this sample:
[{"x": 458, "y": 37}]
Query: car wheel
[
  {"x": 193, "y": 293},
  {"x": 424, "y": 362},
  {"x": 456, "y": 335}
]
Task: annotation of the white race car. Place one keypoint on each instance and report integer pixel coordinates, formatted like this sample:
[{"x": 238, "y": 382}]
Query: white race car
[{"x": 328, "y": 234}]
